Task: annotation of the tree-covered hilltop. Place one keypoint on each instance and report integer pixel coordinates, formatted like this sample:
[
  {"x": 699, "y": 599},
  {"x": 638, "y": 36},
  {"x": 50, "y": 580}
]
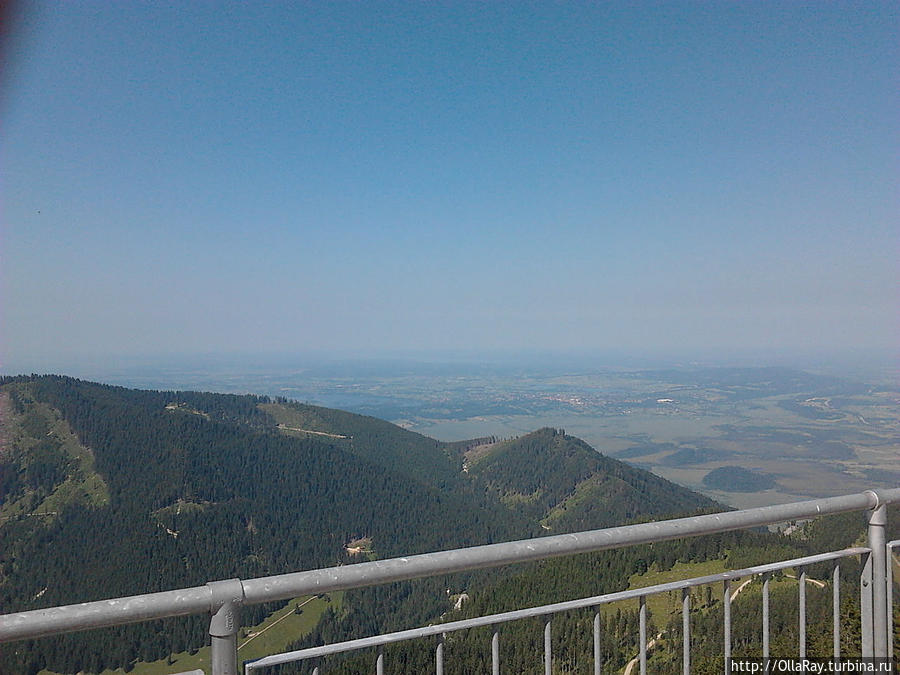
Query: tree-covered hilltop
[
  {"x": 567, "y": 485},
  {"x": 107, "y": 491}
]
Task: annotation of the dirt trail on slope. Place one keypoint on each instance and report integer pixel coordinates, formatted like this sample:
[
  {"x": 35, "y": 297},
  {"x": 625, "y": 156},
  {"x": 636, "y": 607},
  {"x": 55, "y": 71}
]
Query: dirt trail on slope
[{"x": 652, "y": 643}]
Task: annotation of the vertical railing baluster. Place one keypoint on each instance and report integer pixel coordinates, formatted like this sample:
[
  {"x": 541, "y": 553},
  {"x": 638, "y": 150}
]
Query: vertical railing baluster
[
  {"x": 686, "y": 631},
  {"x": 598, "y": 662},
  {"x": 643, "y": 636},
  {"x": 439, "y": 657},
  {"x": 727, "y": 628},
  {"x": 224, "y": 625},
  {"x": 865, "y": 606},
  {"x": 315, "y": 671},
  {"x": 379, "y": 663},
  {"x": 836, "y": 608},
  {"x": 765, "y": 615},
  {"x": 802, "y": 612},
  {"x": 878, "y": 544},
  {"x": 548, "y": 650},
  {"x": 889, "y": 562},
  {"x": 495, "y": 654}
]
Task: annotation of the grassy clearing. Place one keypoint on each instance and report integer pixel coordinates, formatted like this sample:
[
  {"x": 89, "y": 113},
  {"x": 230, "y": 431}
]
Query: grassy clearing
[
  {"x": 284, "y": 626},
  {"x": 299, "y": 422},
  {"x": 662, "y": 606},
  {"x": 40, "y": 426},
  {"x": 665, "y": 605},
  {"x": 166, "y": 513},
  {"x": 292, "y": 417},
  {"x": 271, "y": 636}
]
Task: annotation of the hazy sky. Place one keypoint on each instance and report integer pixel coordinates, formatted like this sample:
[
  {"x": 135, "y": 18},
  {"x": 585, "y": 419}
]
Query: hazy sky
[{"x": 199, "y": 177}]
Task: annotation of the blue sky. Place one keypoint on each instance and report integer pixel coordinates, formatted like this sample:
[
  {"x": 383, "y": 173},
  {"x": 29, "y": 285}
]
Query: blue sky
[{"x": 200, "y": 177}]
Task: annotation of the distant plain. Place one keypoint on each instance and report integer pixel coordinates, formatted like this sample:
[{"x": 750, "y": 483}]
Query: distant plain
[{"x": 813, "y": 434}]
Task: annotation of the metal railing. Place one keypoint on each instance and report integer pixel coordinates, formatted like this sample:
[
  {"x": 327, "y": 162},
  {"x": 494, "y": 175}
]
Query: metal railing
[
  {"x": 889, "y": 573},
  {"x": 641, "y": 594},
  {"x": 223, "y": 599}
]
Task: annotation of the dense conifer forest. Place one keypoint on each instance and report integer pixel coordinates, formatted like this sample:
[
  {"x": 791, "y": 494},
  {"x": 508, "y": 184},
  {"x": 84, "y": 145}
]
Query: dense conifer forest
[{"x": 106, "y": 491}]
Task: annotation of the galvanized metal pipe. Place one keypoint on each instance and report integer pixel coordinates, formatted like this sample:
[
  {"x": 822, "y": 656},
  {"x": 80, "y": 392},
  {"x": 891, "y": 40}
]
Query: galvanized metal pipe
[
  {"x": 765, "y": 615},
  {"x": 802, "y": 612},
  {"x": 495, "y": 654},
  {"x": 227, "y": 597},
  {"x": 439, "y": 658},
  {"x": 726, "y": 591},
  {"x": 103, "y": 613},
  {"x": 878, "y": 543},
  {"x": 643, "y": 634},
  {"x": 890, "y": 593},
  {"x": 836, "y": 609},
  {"x": 865, "y": 607},
  {"x": 379, "y": 664},
  {"x": 120, "y": 611},
  {"x": 548, "y": 650},
  {"x": 543, "y": 610},
  {"x": 223, "y": 655},
  {"x": 686, "y": 631},
  {"x": 287, "y": 586},
  {"x": 598, "y": 660}
]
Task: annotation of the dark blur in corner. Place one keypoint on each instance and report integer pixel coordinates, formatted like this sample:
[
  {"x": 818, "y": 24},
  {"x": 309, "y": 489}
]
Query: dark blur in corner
[{"x": 12, "y": 24}]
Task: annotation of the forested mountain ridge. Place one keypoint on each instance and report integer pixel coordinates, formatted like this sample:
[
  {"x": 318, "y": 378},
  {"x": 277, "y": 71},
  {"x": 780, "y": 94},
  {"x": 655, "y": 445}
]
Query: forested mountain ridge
[
  {"x": 202, "y": 490},
  {"x": 154, "y": 490},
  {"x": 545, "y": 477},
  {"x": 419, "y": 457},
  {"x": 567, "y": 485}
]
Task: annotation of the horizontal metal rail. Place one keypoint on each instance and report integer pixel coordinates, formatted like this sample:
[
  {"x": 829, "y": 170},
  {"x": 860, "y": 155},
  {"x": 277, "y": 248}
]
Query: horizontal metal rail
[
  {"x": 200, "y": 599},
  {"x": 288, "y": 586},
  {"x": 544, "y": 610},
  {"x": 102, "y": 613},
  {"x": 222, "y": 599}
]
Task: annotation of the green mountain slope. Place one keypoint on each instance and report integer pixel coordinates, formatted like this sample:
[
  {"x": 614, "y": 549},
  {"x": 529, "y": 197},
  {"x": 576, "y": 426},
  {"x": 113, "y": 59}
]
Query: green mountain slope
[
  {"x": 205, "y": 489},
  {"x": 567, "y": 485},
  {"x": 153, "y": 490},
  {"x": 419, "y": 457},
  {"x": 43, "y": 467}
]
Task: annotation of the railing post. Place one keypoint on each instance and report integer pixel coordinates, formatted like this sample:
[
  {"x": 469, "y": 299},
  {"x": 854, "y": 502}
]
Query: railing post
[
  {"x": 726, "y": 629},
  {"x": 765, "y": 615},
  {"x": 548, "y": 650},
  {"x": 643, "y": 634},
  {"x": 686, "y": 631},
  {"x": 598, "y": 661},
  {"x": 495, "y": 653},
  {"x": 802, "y": 611},
  {"x": 865, "y": 606},
  {"x": 890, "y": 597},
  {"x": 439, "y": 657},
  {"x": 878, "y": 544},
  {"x": 225, "y": 604},
  {"x": 836, "y": 610}
]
